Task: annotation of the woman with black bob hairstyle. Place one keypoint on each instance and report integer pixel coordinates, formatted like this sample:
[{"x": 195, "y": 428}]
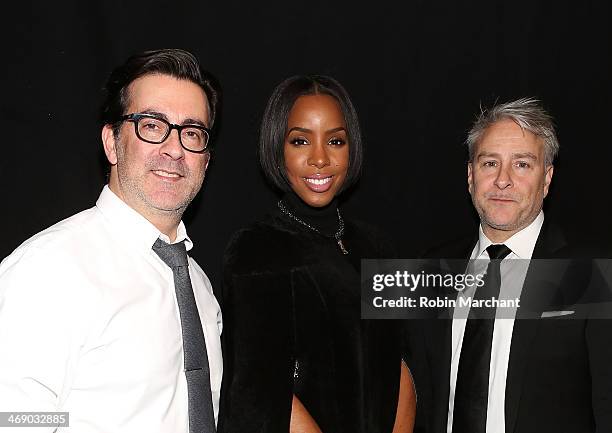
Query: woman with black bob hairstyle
[{"x": 298, "y": 356}]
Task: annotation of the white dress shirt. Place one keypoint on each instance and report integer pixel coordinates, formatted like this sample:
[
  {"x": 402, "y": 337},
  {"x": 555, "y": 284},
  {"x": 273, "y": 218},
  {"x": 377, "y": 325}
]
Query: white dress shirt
[
  {"x": 89, "y": 324},
  {"x": 513, "y": 275}
]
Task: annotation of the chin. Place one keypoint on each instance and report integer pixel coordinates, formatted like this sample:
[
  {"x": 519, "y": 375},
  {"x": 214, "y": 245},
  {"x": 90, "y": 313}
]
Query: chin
[
  {"x": 504, "y": 224},
  {"x": 499, "y": 222},
  {"x": 501, "y": 227},
  {"x": 167, "y": 202},
  {"x": 503, "y": 216},
  {"x": 317, "y": 201}
]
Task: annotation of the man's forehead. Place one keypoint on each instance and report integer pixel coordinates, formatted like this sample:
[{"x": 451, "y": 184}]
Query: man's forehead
[
  {"x": 507, "y": 137},
  {"x": 169, "y": 95},
  {"x": 514, "y": 155}
]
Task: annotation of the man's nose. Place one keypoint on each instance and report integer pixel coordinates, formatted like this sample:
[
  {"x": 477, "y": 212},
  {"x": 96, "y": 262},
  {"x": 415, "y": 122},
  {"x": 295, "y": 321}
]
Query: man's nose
[
  {"x": 504, "y": 177},
  {"x": 172, "y": 146}
]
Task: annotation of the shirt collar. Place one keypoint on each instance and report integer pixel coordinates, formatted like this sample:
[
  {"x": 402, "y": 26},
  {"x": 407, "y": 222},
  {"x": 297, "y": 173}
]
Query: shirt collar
[
  {"x": 521, "y": 243},
  {"x": 132, "y": 226}
]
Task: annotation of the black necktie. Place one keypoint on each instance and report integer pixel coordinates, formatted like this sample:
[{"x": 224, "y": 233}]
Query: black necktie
[
  {"x": 201, "y": 415},
  {"x": 472, "y": 386}
]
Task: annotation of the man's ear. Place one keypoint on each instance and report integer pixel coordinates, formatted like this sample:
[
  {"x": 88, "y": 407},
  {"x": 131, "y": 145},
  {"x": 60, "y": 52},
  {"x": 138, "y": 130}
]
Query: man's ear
[
  {"x": 109, "y": 143},
  {"x": 469, "y": 177},
  {"x": 207, "y": 161},
  {"x": 548, "y": 174}
]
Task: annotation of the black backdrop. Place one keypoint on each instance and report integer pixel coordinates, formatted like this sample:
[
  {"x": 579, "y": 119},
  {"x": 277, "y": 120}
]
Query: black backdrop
[{"x": 417, "y": 72}]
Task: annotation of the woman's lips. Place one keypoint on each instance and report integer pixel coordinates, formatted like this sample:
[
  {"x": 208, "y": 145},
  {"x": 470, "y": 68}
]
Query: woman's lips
[{"x": 318, "y": 184}]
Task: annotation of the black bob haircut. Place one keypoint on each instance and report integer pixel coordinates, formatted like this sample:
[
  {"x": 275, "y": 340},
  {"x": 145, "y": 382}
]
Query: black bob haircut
[
  {"x": 174, "y": 62},
  {"x": 274, "y": 126}
]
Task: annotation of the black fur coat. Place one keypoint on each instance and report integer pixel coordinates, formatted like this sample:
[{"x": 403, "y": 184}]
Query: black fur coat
[{"x": 291, "y": 309}]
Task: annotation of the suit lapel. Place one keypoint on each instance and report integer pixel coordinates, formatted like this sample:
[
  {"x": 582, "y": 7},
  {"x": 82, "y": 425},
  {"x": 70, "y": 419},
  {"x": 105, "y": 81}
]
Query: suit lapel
[
  {"x": 522, "y": 338},
  {"x": 550, "y": 240}
]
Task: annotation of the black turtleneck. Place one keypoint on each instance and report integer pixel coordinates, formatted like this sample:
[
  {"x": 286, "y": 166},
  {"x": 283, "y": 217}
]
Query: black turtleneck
[{"x": 325, "y": 218}]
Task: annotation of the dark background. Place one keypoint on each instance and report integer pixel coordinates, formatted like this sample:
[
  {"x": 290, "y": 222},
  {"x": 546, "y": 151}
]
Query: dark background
[{"x": 417, "y": 72}]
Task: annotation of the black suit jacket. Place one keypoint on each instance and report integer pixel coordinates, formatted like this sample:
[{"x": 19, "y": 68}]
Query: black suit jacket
[{"x": 560, "y": 368}]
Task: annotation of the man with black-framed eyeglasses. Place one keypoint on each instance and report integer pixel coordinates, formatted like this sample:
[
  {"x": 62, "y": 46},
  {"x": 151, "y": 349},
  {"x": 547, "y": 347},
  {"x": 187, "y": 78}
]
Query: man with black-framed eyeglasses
[{"x": 104, "y": 316}]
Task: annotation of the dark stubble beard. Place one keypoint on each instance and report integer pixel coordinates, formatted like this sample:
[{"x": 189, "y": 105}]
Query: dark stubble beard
[{"x": 135, "y": 185}]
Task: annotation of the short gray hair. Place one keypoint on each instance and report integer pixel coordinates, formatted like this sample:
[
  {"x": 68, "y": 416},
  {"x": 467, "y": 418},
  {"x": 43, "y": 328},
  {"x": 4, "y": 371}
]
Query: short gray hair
[{"x": 527, "y": 113}]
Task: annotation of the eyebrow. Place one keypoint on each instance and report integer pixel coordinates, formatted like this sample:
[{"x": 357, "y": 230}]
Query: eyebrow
[
  {"x": 188, "y": 121},
  {"x": 527, "y": 155},
  {"x": 306, "y": 130}
]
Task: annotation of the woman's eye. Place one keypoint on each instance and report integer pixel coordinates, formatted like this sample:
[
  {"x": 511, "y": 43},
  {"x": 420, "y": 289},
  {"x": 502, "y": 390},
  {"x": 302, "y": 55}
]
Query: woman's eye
[
  {"x": 337, "y": 142},
  {"x": 298, "y": 141}
]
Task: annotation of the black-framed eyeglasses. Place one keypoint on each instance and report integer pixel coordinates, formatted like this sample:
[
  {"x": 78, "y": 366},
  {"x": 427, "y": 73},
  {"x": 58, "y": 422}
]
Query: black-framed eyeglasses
[{"x": 156, "y": 130}]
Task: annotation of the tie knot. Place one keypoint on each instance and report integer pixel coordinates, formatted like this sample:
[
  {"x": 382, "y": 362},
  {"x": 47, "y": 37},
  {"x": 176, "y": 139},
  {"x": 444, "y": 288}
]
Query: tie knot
[
  {"x": 174, "y": 255},
  {"x": 498, "y": 252}
]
